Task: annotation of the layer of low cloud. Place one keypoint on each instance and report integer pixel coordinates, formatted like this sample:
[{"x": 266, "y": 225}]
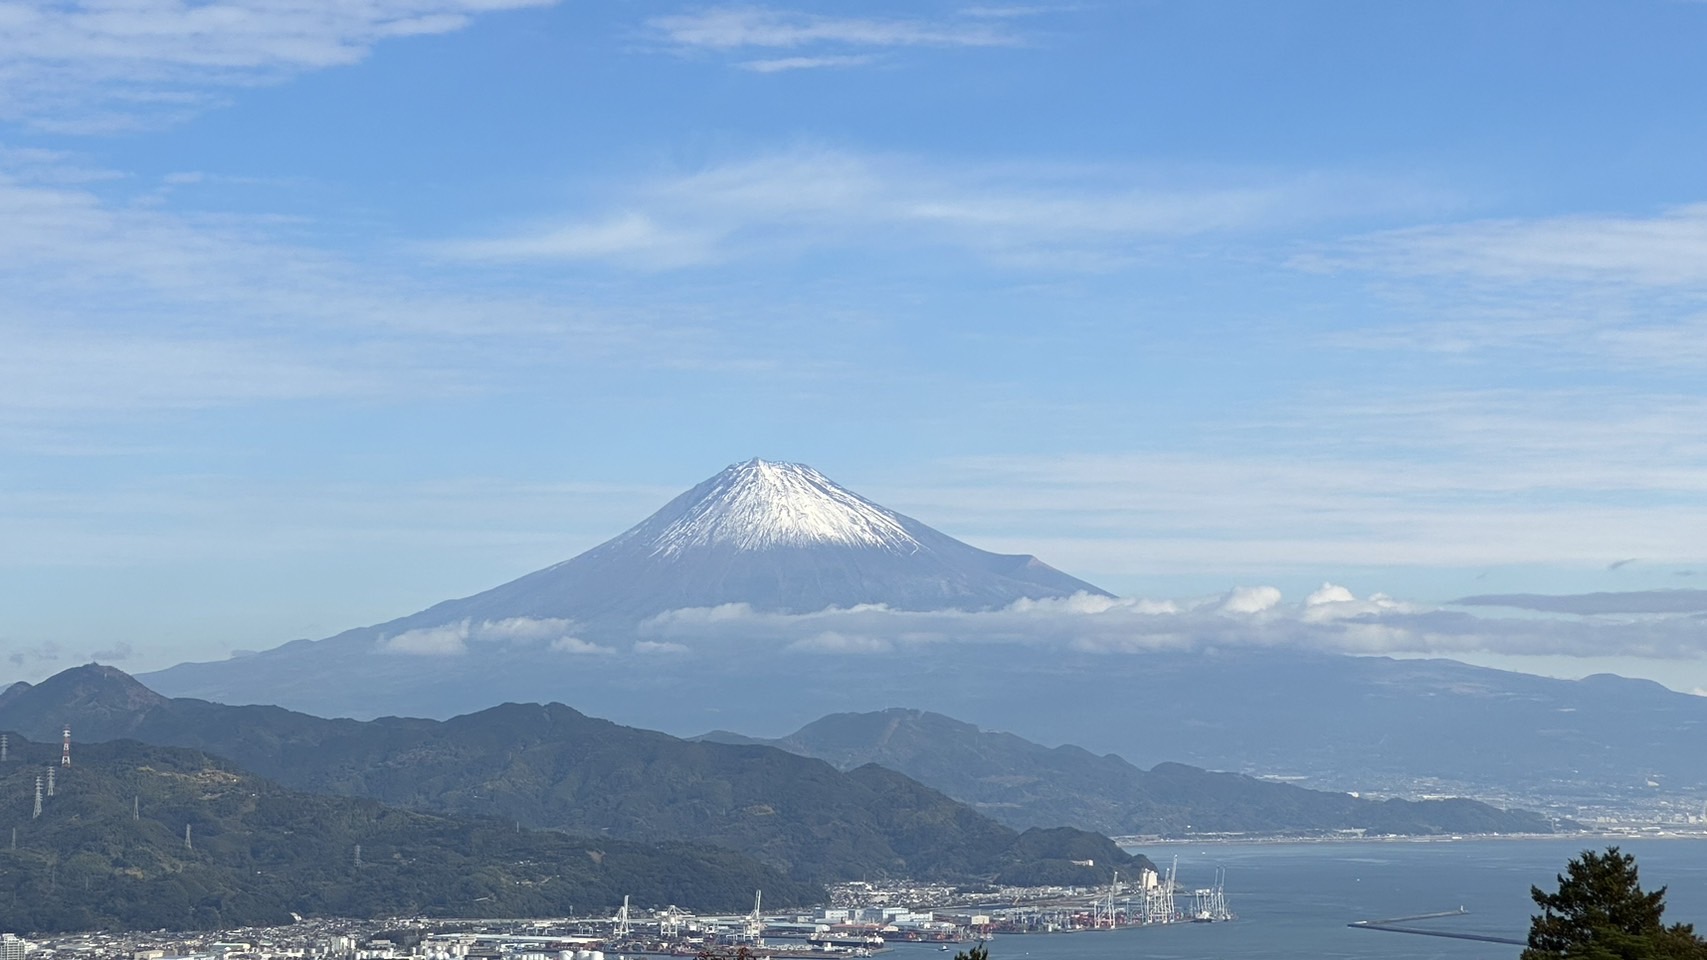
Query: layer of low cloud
[
  {"x": 1596, "y": 604},
  {"x": 98, "y": 66},
  {"x": 1330, "y": 620},
  {"x": 465, "y": 636}
]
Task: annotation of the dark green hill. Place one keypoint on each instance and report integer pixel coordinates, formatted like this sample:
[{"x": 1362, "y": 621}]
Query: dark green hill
[
  {"x": 109, "y": 851},
  {"x": 551, "y": 766},
  {"x": 1025, "y": 784}
]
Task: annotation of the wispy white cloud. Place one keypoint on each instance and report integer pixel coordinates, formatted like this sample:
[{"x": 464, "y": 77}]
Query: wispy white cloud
[
  {"x": 113, "y": 305},
  {"x": 113, "y": 308},
  {"x": 1590, "y": 604},
  {"x": 630, "y": 238},
  {"x": 1452, "y": 479},
  {"x": 1665, "y": 250},
  {"x": 449, "y": 640},
  {"x": 1060, "y": 217},
  {"x": 1605, "y": 292},
  {"x": 53, "y": 375},
  {"x": 1011, "y": 11},
  {"x": 784, "y": 64},
  {"x": 101, "y": 65},
  {"x": 492, "y": 524},
  {"x": 832, "y": 641},
  {"x": 744, "y": 27},
  {"x": 575, "y": 645},
  {"x": 466, "y": 636}
]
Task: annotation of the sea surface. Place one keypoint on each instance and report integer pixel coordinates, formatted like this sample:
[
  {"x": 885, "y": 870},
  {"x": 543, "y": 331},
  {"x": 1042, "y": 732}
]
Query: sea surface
[{"x": 1295, "y": 899}]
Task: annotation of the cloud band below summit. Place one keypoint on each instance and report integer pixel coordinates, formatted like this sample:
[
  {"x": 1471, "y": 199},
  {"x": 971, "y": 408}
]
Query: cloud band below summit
[{"x": 1331, "y": 620}]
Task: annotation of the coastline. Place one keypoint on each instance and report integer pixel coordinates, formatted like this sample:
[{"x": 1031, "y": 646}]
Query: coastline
[{"x": 1138, "y": 843}]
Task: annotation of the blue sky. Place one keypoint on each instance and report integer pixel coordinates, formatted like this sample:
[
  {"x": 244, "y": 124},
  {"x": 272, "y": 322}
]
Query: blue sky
[{"x": 313, "y": 314}]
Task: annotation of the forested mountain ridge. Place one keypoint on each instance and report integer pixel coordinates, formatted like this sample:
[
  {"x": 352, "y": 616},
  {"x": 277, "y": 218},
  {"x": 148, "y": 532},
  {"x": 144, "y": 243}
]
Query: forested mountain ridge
[
  {"x": 1027, "y": 784},
  {"x": 550, "y": 766},
  {"x": 110, "y": 850}
]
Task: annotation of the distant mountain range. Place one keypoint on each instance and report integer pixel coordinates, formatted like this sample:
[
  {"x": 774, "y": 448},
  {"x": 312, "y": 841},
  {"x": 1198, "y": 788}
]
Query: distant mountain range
[
  {"x": 552, "y": 767},
  {"x": 725, "y": 609},
  {"x": 1025, "y": 784},
  {"x": 775, "y": 537},
  {"x": 110, "y": 851}
]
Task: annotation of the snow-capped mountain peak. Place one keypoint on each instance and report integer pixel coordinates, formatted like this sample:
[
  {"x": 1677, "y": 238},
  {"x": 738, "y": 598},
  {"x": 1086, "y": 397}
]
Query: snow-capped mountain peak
[
  {"x": 772, "y": 538},
  {"x": 762, "y": 504}
]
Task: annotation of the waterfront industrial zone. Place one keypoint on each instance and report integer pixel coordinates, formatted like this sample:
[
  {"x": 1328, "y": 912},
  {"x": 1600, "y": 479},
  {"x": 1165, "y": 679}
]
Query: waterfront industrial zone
[{"x": 860, "y": 919}]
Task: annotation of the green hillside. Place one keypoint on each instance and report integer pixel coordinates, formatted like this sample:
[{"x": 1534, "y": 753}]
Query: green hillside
[
  {"x": 108, "y": 852},
  {"x": 553, "y": 767}
]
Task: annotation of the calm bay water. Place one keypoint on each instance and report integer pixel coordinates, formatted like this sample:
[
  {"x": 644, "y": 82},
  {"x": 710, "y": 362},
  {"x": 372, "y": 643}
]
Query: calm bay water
[{"x": 1295, "y": 899}]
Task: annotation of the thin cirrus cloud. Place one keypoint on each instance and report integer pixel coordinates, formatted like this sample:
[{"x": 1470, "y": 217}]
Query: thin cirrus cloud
[
  {"x": 1580, "y": 290},
  {"x": 784, "y": 64},
  {"x": 1468, "y": 479},
  {"x": 90, "y": 66},
  {"x": 112, "y": 305},
  {"x": 795, "y": 199},
  {"x": 1668, "y": 249},
  {"x": 737, "y": 28},
  {"x": 116, "y": 307},
  {"x": 1331, "y": 620}
]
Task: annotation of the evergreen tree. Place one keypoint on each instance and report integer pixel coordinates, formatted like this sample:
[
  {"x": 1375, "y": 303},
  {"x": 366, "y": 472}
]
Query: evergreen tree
[{"x": 1600, "y": 912}]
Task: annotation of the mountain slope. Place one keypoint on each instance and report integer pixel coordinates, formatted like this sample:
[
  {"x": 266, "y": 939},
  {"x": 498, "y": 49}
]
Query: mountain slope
[
  {"x": 733, "y": 549},
  {"x": 1025, "y": 784},
  {"x": 109, "y": 851},
  {"x": 551, "y": 766},
  {"x": 776, "y": 537}
]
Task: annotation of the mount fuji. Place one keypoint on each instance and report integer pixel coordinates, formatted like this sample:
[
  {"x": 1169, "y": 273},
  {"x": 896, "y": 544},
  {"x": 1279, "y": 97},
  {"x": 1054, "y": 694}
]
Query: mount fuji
[
  {"x": 763, "y": 537},
  {"x": 715, "y": 613},
  {"x": 779, "y": 537}
]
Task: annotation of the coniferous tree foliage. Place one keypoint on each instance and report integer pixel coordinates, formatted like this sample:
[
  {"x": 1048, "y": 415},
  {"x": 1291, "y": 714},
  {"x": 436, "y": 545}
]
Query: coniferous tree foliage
[
  {"x": 1601, "y": 912},
  {"x": 978, "y": 952}
]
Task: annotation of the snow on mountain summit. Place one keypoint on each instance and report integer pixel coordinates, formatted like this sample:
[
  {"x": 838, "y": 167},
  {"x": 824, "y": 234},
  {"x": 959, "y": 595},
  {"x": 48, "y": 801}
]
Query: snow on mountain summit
[
  {"x": 761, "y": 504},
  {"x": 765, "y": 537}
]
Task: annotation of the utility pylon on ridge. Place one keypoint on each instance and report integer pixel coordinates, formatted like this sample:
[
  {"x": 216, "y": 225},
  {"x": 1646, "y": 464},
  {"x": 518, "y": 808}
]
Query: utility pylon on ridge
[
  {"x": 37, "y": 813},
  {"x": 50, "y": 781},
  {"x": 65, "y": 751}
]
